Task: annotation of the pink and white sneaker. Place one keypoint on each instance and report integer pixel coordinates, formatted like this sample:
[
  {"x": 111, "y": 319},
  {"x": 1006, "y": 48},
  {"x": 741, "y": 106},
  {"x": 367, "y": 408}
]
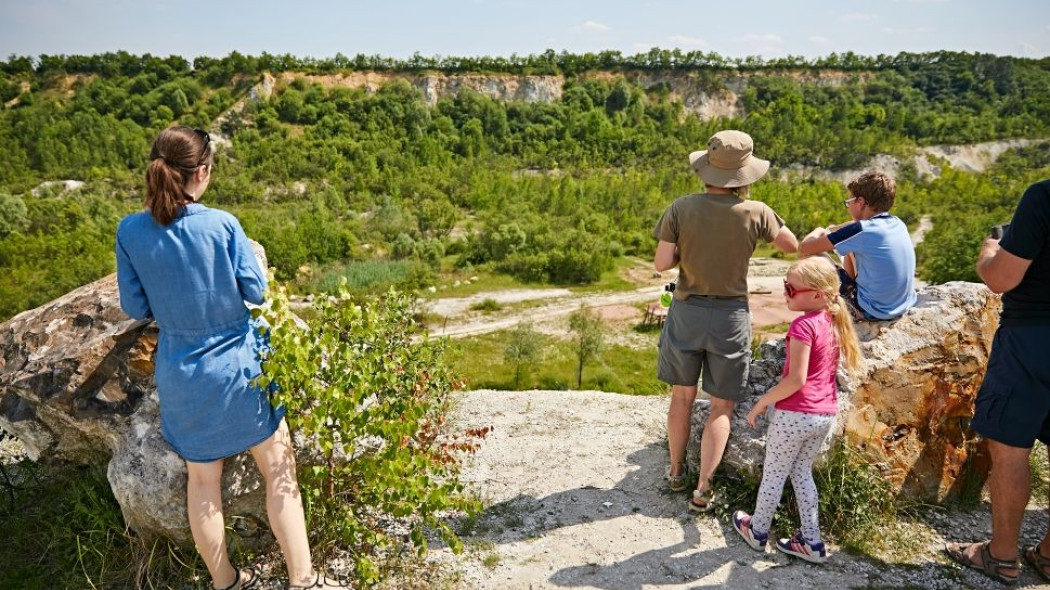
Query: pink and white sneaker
[
  {"x": 742, "y": 524},
  {"x": 798, "y": 546}
]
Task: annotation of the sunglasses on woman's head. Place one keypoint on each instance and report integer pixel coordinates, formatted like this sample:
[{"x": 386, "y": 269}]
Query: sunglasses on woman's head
[
  {"x": 791, "y": 290},
  {"x": 206, "y": 137}
]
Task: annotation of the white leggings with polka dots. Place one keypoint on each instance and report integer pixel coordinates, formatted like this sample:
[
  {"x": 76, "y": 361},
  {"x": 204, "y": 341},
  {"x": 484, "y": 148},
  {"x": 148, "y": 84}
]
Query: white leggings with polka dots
[{"x": 792, "y": 444}]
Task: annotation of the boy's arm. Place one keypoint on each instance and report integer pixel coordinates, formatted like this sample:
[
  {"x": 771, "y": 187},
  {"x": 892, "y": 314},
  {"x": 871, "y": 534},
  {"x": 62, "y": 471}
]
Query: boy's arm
[{"x": 816, "y": 242}]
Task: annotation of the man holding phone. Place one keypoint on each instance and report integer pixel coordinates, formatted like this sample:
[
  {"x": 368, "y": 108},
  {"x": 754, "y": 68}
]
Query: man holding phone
[{"x": 1012, "y": 409}]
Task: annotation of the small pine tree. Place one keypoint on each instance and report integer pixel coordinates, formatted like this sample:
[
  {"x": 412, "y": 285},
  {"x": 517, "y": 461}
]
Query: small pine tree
[
  {"x": 589, "y": 336},
  {"x": 524, "y": 348}
]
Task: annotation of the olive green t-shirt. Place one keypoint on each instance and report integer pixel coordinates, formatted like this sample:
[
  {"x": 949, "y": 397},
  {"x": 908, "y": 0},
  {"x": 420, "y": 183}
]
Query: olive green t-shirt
[{"x": 715, "y": 235}]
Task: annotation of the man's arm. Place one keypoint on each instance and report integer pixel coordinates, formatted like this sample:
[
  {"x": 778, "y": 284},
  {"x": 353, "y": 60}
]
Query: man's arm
[
  {"x": 666, "y": 256},
  {"x": 785, "y": 241},
  {"x": 999, "y": 269}
]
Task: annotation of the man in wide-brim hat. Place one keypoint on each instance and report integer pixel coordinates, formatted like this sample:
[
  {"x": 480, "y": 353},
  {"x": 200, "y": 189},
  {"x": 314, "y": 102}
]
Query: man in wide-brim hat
[{"x": 711, "y": 237}]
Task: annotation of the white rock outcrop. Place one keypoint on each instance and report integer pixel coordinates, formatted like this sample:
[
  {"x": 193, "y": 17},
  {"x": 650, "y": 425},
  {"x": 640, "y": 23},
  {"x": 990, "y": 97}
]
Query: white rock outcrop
[{"x": 908, "y": 408}]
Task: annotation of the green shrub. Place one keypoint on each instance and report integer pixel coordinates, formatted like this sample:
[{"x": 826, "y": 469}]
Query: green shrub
[
  {"x": 373, "y": 402},
  {"x": 486, "y": 305}
]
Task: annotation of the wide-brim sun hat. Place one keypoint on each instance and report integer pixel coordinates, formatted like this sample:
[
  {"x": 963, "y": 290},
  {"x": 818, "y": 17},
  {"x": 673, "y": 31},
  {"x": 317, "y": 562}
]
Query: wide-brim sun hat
[{"x": 729, "y": 160}]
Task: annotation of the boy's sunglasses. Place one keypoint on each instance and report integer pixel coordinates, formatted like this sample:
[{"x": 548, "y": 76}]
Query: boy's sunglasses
[
  {"x": 206, "y": 137},
  {"x": 792, "y": 290}
]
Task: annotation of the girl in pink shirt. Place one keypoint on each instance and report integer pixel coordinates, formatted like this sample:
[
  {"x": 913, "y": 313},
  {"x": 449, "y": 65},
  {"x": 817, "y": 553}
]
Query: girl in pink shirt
[{"x": 805, "y": 402}]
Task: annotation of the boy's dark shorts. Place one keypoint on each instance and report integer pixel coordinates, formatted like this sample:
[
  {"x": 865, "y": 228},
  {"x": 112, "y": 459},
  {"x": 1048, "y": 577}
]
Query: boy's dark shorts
[
  {"x": 708, "y": 337},
  {"x": 1013, "y": 404},
  {"x": 848, "y": 291}
]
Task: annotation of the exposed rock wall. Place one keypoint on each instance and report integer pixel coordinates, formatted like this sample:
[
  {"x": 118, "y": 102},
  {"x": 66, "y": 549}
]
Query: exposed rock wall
[
  {"x": 436, "y": 86},
  {"x": 908, "y": 408}
]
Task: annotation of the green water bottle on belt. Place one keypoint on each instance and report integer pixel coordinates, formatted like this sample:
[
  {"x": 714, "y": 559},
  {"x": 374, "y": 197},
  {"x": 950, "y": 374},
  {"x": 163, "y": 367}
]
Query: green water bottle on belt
[{"x": 667, "y": 295}]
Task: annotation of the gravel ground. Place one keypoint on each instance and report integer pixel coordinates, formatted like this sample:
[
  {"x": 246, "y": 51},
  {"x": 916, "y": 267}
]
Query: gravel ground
[{"x": 574, "y": 498}]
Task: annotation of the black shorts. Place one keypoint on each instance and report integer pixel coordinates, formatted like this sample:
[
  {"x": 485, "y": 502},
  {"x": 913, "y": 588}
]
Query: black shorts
[
  {"x": 1013, "y": 404},
  {"x": 848, "y": 291}
]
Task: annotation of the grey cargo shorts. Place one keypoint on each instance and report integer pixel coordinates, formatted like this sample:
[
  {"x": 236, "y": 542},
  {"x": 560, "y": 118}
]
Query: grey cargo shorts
[{"x": 707, "y": 337}]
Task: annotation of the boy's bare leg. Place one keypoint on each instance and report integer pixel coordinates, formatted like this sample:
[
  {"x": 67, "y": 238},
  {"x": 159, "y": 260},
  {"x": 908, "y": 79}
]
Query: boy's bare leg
[{"x": 849, "y": 264}]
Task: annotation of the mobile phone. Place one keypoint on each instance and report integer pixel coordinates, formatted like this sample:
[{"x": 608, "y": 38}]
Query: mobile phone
[{"x": 997, "y": 231}]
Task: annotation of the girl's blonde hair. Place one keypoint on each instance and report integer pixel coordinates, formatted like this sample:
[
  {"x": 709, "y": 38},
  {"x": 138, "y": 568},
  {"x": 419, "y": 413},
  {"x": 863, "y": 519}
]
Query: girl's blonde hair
[{"x": 817, "y": 272}]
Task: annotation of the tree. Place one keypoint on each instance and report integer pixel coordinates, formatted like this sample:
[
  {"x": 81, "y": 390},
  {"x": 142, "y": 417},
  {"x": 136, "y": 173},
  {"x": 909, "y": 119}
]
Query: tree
[
  {"x": 524, "y": 348},
  {"x": 589, "y": 337}
]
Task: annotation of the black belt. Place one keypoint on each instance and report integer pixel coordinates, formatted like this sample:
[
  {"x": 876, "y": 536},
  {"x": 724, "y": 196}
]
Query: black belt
[{"x": 728, "y": 297}]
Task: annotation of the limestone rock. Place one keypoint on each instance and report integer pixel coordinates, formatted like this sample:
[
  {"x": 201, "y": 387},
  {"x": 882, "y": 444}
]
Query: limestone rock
[
  {"x": 909, "y": 406},
  {"x": 76, "y": 384}
]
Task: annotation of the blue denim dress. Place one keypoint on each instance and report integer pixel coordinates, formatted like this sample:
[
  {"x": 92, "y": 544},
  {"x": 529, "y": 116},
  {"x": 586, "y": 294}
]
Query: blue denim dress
[{"x": 193, "y": 277}]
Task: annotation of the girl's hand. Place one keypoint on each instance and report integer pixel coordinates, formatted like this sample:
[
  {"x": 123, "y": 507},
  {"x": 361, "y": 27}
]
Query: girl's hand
[{"x": 758, "y": 409}]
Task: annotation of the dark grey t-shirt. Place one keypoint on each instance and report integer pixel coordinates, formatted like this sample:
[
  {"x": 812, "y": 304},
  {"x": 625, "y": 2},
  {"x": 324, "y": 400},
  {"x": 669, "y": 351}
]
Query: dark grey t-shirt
[{"x": 716, "y": 236}]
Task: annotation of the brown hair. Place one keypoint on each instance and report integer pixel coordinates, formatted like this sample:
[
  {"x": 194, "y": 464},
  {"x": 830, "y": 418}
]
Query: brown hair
[
  {"x": 817, "y": 272},
  {"x": 175, "y": 156},
  {"x": 877, "y": 189}
]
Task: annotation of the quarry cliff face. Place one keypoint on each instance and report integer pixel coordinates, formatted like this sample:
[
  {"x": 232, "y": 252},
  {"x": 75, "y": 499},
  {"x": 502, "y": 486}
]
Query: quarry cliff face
[{"x": 700, "y": 93}]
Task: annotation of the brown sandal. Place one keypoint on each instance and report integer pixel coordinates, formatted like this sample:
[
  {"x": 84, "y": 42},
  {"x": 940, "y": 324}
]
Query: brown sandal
[
  {"x": 989, "y": 565},
  {"x": 1036, "y": 560}
]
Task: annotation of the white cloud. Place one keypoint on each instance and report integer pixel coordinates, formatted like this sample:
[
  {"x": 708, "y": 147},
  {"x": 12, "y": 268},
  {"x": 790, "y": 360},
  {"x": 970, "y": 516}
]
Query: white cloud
[
  {"x": 686, "y": 42},
  {"x": 855, "y": 17},
  {"x": 820, "y": 40},
  {"x": 1029, "y": 50},
  {"x": 591, "y": 25},
  {"x": 907, "y": 31},
  {"x": 644, "y": 46},
  {"x": 762, "y": 44}
]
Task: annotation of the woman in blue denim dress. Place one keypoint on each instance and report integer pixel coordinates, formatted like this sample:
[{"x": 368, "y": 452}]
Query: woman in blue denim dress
[{"x": 191, "y": 269}]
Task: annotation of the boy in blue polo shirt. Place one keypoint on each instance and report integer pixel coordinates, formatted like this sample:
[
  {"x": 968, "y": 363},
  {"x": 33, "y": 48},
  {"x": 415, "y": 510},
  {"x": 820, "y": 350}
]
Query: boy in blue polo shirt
[{"x": 878, "y": 259}]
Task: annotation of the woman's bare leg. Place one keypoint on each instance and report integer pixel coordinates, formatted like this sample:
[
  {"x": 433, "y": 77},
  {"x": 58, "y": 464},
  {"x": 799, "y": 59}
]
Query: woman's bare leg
[
  {"x": 204, "y": 509},
  {"x": 284, "y": 505}
]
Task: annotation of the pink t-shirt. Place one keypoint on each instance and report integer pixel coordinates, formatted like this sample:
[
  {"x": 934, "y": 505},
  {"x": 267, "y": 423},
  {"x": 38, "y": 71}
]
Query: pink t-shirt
[{"x": 819, "y": 395}]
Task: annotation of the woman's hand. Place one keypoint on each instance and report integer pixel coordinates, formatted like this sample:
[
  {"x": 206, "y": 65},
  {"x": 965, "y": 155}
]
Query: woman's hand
[{"x": 757, "y": 410}]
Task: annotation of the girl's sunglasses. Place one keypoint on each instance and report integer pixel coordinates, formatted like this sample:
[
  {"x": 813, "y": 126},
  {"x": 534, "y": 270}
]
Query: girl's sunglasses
[{"x": 792, "y": 290}]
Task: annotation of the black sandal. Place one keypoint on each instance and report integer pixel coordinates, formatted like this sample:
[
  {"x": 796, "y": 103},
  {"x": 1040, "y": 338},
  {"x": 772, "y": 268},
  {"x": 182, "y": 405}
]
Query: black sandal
[
  {"x": 320, "y": 581},
  {"x": 239, "y": 583},
  {"x": 1036, "y": 560},
  {"x": 989, "y": 565}
]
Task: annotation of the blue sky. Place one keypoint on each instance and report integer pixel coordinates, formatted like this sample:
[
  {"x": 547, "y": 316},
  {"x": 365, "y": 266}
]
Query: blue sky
[{"x": 397, "y": 28}]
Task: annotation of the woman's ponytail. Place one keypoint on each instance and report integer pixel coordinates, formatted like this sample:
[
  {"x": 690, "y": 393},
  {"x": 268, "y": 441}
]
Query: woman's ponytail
[
  {"x": 163, "y": 191},
  {"x": 174, "y": 157}
]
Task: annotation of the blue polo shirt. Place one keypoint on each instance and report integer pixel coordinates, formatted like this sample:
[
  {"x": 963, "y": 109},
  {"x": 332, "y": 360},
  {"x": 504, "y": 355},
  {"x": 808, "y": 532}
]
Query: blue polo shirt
[{"x": 885, "y": 263}]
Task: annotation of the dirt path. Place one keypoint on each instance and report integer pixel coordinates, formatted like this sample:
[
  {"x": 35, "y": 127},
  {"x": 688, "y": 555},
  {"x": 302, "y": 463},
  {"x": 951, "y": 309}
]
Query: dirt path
[
  {"x": 574, "y": 494},
  {"x": 764, "y": 280},
  {"x": 925, "y": 225}
]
